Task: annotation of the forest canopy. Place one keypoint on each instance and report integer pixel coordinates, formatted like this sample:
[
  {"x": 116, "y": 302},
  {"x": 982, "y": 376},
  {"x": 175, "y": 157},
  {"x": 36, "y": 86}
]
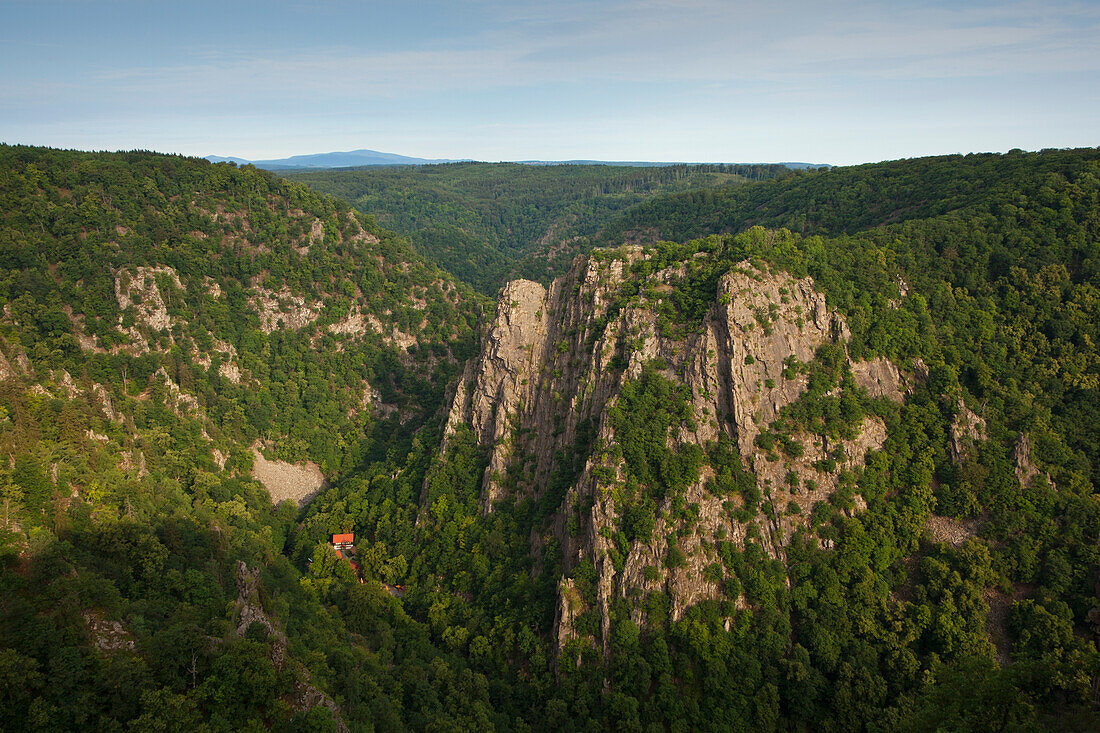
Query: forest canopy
[
  {"x": 164, "y": 319},
  {"x": 488, "y": 222}
]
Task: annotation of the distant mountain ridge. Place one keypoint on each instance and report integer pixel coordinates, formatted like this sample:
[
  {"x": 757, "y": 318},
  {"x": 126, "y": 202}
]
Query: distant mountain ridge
[
  {"x": 345, "y": 159},
  {"x": 362, "y": 158}
]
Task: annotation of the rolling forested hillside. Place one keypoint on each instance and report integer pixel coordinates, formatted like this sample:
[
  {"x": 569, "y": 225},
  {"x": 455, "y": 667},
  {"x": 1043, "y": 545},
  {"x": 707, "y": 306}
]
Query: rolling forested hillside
[
  {"x": 814, "y": 453},
  {"x": 790, "y": 566},
  {"x": 167, "y": 326},
  {"x": 846, "y": 200},
  {"x": 486, "y": 222}
]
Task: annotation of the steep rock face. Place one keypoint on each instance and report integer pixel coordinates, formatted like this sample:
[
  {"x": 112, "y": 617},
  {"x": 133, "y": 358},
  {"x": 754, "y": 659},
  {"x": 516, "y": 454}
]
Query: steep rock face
[
  {"x": 141, "y": 291},
  {"x": 554, "y": 362},
  {"x": 250, "y": 611},
  {"x": 500, "y": 384},
  {"x": 1021, "y": 458},
  {"x": 879, "y": 377},
  {"x": 966, "y": 430}
]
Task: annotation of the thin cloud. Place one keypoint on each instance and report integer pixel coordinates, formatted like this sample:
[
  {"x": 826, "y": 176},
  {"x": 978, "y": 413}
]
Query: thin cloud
[
  {"x": 583, "y": 61},
  {"x": 653, "y": 44}
]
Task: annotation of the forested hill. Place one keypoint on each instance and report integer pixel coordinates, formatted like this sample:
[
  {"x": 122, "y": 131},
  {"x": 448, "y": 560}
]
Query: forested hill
[
  {"x": 113, "y": 258},
  {"x": 173, "y": 333},
  {"x": 775, "y": 481},
  {"x": 848, "y": 199},
  {"x": 988, "y": 227},
  {"x": 487, "y": 222},
  {"x": 839, "y": 476}
]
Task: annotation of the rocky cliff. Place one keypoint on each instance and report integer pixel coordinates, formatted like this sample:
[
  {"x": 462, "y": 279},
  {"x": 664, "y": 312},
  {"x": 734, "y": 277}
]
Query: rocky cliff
[{"x": 542, "y": 395}]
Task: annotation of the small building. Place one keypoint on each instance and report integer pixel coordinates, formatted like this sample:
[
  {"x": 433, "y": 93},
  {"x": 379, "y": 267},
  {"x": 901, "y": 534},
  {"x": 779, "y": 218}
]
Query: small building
[{"x": 343, "y": 541}]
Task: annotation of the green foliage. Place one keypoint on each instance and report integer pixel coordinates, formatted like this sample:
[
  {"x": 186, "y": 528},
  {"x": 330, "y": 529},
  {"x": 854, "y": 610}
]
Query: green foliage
[
  {"x": 486, "y": 222},
  {"x": 845, "y": 200},
  {"x": 998, "y": 257},
  {"x": 648, "y": 408},
  {"x": 120, "y": 612},
  {"x": 983, "y": 267},
  {"x": 730, "y": 476}
]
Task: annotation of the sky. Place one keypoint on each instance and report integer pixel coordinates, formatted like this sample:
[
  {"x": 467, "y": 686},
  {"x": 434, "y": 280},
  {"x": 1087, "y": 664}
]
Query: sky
[{"x": 836, "y": 82}]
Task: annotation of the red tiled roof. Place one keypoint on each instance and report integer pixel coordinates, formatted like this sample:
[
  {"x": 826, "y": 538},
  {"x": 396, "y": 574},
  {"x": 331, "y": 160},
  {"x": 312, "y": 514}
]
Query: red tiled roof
[{"x": 343, "y": 539}]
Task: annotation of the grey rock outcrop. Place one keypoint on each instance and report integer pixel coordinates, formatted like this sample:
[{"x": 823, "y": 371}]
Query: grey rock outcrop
[
  {"x": 553, "y": 363},
  {"x": 1021, "y": 459},
  {"x": 250, "y": 611},
  {"x": 966, "y": 430},
  {"x": 880, "y": 377}
]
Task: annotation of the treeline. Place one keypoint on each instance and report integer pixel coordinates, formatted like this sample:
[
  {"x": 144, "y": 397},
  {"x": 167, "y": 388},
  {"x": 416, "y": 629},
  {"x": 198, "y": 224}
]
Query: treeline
[
  {"x": 849, "y": 199},
  {"x": 486, "y": 222}
]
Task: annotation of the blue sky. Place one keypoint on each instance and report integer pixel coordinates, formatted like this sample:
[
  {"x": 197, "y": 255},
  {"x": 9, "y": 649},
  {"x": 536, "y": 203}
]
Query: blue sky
[{"x": 695, "y": 80}]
